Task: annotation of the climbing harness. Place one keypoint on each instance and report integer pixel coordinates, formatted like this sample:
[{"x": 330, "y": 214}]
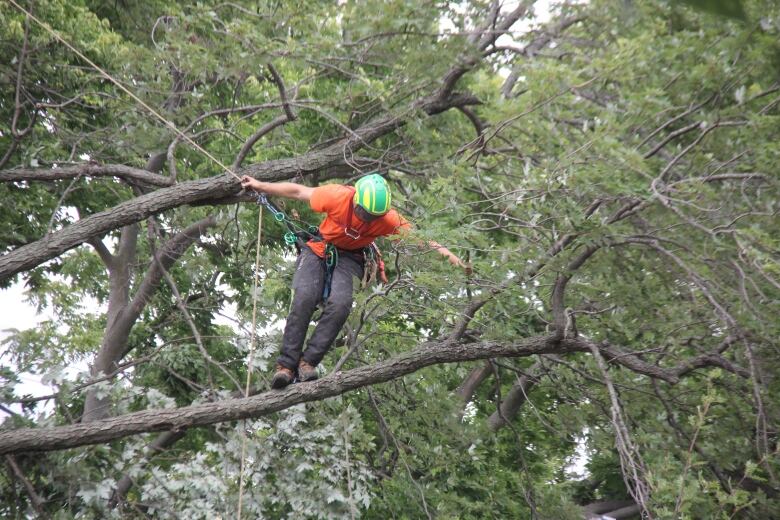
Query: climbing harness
[{"x": 299, "y": 232}]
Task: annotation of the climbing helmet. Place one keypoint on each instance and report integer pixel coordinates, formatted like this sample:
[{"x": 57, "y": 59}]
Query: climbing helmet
[{"x": 373, "y": 194}]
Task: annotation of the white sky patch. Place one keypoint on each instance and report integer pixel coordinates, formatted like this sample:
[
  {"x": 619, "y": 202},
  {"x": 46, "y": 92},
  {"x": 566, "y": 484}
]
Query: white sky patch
[
  {"x": 19, "y": 314},
  {"x": 577, "y": 462}
]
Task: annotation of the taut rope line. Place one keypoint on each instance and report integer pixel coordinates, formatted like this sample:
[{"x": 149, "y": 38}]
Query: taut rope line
[
  {"x": 181, "y": 134},
  {"x": 251, "y": 357},
  {"x": 116, "y": 82}
]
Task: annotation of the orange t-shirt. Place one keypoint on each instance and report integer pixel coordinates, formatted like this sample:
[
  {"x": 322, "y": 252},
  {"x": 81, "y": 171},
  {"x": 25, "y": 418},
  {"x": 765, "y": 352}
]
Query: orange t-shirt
[{"x": 334, "y": 200}]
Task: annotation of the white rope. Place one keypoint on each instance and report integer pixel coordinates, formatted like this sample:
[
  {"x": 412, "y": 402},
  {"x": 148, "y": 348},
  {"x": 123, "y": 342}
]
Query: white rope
[
  {"x": 183, "y": 136},
  {"x": 253, "y": 336},
  {"x": 116, "y": 82}
]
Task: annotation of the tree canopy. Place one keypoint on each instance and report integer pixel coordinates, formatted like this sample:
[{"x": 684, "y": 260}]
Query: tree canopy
[{"x": 608, "y": 167}]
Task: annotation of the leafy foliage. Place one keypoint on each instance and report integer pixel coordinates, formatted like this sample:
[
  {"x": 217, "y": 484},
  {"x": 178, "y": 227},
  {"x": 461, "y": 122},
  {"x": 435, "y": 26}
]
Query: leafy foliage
[{"x": 625, "y": 151}]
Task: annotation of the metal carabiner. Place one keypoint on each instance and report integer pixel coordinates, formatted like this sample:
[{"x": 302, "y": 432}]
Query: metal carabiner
[{"x": 350, "y": 234}]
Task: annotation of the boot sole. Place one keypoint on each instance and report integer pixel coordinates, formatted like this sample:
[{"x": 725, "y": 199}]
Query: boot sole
[{"x": 279, "y": 383}]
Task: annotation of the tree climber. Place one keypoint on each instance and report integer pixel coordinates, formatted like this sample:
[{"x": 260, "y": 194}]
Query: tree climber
[{"x": 355, "y": 217}]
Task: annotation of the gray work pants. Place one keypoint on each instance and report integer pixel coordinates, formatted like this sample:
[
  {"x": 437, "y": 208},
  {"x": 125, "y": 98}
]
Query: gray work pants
[{"x": 308, "y": 282}]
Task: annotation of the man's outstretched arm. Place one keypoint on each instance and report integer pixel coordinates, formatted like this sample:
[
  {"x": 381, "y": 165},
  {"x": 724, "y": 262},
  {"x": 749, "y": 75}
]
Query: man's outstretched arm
[
  {"x": 288, "y": 190},
  {"x": 450, "y": 256}
]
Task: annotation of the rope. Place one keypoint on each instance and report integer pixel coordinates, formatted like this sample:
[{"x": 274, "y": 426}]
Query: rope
[
  {"x": 205, "y": 152},
  {"x": 251, "y": 356},
  {"x": 116, "y": 82}
]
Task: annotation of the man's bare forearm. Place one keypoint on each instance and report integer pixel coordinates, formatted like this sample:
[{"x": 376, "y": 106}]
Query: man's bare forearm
[
  {"x": 288, "y": 190},
  {"x": 449, "y": 255}
]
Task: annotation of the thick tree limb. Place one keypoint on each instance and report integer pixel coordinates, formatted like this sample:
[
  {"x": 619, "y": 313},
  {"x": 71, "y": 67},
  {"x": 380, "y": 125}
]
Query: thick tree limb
[
  {"x": 132, "y": 211},
  {"x": 430, "y": 353},
  {"x": 557, "y": 298},
  {"x": 47, "y": 439},
  {"x": 212, "y": 188},
  {"x": 515, "y": 398},
  {"x": 123, "y": 313},
  {"x": 475, "y": 378}
]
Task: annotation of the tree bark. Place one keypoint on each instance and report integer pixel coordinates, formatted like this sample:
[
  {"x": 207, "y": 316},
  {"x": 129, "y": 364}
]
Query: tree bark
[
  {"x": 121, "y": 171},
  {"x": 213, "y": 188},
  {"x": 469, "y": 385},
  {"x": 123, "y": 313},
  {"x": 119, "y": 275}
]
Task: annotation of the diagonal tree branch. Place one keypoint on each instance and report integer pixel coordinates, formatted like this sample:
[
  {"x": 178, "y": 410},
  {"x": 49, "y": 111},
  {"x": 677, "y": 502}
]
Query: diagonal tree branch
[
  {"x": 212, "y": 188},
  {"x": 431, "y": 353},
  {"x": 35, "y": 498}
]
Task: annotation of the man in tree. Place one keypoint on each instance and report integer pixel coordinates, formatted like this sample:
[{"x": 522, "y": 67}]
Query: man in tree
[{"x": 355, "y": 217}]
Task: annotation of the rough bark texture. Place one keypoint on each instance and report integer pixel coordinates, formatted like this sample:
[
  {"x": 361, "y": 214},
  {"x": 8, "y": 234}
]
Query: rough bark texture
[
  {"x": 469, "y": 385},
  {"x": 47, "y": 439},
  {"x": 214, "y": 188}
]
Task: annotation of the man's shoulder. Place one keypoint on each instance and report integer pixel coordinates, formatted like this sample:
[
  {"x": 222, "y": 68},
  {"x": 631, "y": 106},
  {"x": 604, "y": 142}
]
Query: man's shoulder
[
  {"x": 392, "y": 222},
  {"x": 333, "y": 189},
  {"x": 328, "y": 197}
]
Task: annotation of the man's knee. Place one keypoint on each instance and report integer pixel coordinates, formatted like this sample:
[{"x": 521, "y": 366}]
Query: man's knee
[
  {"x": 306, "y": 298},
  {"x": 341, "y": 302}
]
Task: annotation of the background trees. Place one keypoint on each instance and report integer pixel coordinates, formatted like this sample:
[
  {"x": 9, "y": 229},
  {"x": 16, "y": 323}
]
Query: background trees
[{"x": 610, "y": 172}]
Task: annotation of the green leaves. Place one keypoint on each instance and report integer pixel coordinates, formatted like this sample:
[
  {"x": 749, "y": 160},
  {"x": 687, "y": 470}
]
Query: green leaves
[
  {"x": 646, "y": 130},
  {"x": 726, "y": 8}
]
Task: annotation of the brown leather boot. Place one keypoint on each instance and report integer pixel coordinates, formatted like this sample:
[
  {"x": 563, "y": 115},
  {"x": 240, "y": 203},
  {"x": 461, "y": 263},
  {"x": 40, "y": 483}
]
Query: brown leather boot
[
  {"x": 306, "y": 372},
  {"x": 283, "y": 377}
]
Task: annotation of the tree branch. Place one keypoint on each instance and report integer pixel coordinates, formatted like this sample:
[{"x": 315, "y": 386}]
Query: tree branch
[
  {"x": 35, "y": 498},
  {"x": 161, "y": 443},
  {"x": 515, "y": 398},
  {"x": 121, "y": 171},
  {"x": 431, "y": 353},
  {"x": 212, "y": 188}
]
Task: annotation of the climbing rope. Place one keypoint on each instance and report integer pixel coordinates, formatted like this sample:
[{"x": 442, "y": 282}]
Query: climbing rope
[
  {"x": 249, "y": 364},
  {"x": 116, "y": 82},
  {"x": 219, "y": 163}
]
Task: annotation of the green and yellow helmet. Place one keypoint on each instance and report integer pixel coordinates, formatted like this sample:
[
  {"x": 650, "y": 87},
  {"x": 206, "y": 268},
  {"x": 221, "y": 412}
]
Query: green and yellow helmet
[{"x": 373, "y": 194}]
